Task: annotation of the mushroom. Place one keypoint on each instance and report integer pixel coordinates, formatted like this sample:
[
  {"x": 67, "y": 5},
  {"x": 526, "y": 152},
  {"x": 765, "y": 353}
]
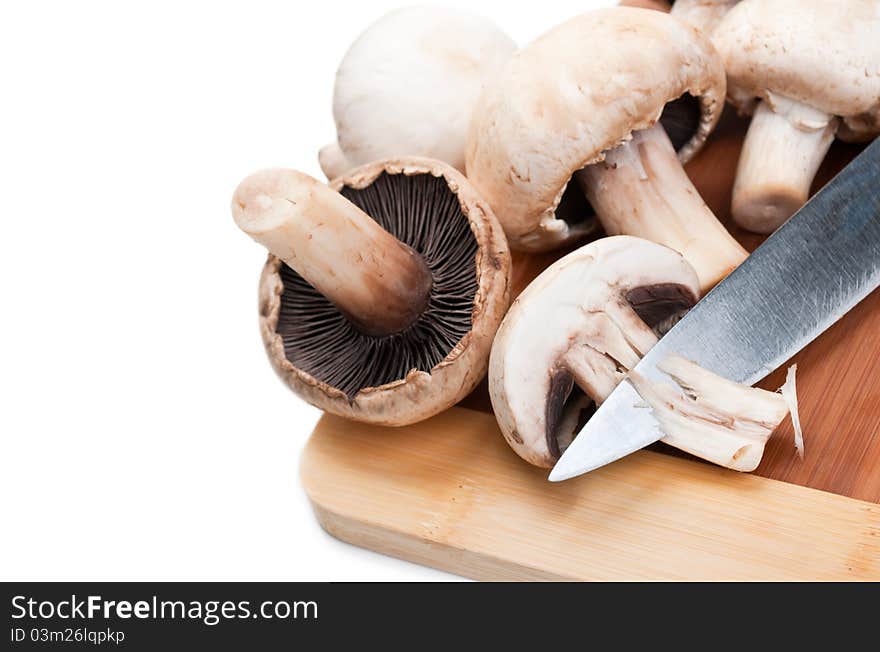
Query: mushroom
[
  {"x": 702, "y": 14},
  {"x": 575, "y": 331},
  {"x": 407, "y": 86},
  {"x": 383, "y": 291},
  {"x": 613, "y": 122},
  {"x": 808, "y": 71},
  {"x": 579, "y": 329}
]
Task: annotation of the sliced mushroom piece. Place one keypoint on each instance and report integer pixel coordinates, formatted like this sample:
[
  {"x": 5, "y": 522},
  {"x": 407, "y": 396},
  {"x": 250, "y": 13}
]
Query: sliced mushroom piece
[
  {"x": 711, "y": 417},
  {"x": 408, "y": 84},
  {"x": 582, "y": 326},
  {"x": 702, "y": 14},
  {"x": 573, "y": 334},
  {"x": 808, "y": 69},
  {"x": 621, "y": 124},
  {"x": 383, "y": 291}
]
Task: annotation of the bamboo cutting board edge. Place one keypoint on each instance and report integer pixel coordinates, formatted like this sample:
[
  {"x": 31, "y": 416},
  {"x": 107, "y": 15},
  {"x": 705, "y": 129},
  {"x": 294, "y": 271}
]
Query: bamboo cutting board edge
[
  {"x": 425, "y": 552},
  {"x": 448, "y": 493}
]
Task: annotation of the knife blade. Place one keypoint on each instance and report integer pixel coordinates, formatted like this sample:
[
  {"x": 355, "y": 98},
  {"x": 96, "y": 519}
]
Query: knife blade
[{"x": 803, "y": 278}]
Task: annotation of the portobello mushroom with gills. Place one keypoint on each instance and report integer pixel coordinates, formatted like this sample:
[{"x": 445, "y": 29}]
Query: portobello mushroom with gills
[
  {"x": 408, "y": 84},
  {"x": 578, "y": 330},
  {"x": 808, "y": 70},
  {"x": 621, "y": 124},
  {"x": 383, "y": 291}
]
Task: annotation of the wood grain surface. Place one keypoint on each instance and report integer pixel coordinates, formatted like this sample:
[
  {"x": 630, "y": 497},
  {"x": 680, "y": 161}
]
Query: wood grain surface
[{"x": 449, "y": 493}]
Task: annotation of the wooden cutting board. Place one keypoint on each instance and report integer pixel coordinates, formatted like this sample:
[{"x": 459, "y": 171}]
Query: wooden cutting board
[{"x": 449, "y": 493}]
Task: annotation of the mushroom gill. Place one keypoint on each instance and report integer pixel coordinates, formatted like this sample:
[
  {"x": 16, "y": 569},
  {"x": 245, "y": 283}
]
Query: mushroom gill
[
  {"x": 422, "y": 212},
  {"x": 681, "y": 120}
]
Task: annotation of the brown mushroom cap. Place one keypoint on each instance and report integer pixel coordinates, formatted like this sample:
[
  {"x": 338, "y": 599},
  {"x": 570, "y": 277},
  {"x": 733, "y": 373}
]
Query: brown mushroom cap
[
  {"x": 576, "y": 92},
  {"x": 432, "y": 208},
  {"x": 822, "y": 54}
]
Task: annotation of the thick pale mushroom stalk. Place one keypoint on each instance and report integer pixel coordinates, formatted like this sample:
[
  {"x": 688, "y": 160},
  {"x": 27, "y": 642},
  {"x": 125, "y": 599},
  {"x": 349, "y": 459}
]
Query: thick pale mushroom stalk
[
  {"x": 785, "y": 144},
  {"x": 581, "y": 327},
  {"x": 379, "y": 283},
  {"x": 641, "y": 189},
  {"x": 711, "y": 417},
  {"x": 333, "y": 161}
]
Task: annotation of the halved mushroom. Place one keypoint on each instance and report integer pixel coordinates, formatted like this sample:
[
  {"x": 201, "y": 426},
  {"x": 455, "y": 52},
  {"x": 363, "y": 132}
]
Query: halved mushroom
[
  {"x": 809, "y": 70},
  {"x": 575, "y": 331},
  {"x": 382, "y": 292},
  {"x": 579, "y": 329},
  {"x": 702, "y": 14},
  {"x": 613, "y": 122},
  {"x": 407, "y": 85}
]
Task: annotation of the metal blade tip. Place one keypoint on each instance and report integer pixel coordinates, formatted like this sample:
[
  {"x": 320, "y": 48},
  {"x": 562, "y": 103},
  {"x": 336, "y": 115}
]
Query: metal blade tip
[
  {"x": 558, "y": 475},
  {"x": 565, "y": 470}
]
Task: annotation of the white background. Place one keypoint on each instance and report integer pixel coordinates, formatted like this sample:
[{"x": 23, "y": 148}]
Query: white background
[{"x": 144, "y": 435}]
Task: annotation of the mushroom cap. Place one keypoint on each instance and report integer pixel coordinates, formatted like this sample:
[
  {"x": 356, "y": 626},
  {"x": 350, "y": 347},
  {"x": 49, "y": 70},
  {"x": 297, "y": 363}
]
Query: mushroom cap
[
  {"x": 577, "y": 91},
  {"x": 407, "y": 85},
  {"x": 417, "y": 394},
  {"x": 585, "y": 320},
  {"x": 822, "y": 54}
]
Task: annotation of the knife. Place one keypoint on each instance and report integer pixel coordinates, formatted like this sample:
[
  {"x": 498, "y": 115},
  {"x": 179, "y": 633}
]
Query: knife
[{"x": 802, "y": 279}]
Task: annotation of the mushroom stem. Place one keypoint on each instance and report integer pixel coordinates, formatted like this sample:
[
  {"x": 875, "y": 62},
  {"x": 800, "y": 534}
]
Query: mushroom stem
[
  {"x": 712, "y": 417},
  {"x": 333, "y": 161},
  {"x": 785, "y": 144},
  {"x": 615, "y": 343},
  {"x": 641, "y": 189},
  {"x": 379, "y": 283}
]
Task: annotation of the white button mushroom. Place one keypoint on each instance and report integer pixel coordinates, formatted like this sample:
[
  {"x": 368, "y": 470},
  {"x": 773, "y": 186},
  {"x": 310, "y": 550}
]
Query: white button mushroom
[
  {"x": 383, "y": 291},
  {"x": 408, "y": 84},
  {"x": 814, "y": 68},
  {"x": 607, "y": 98},
  {"x": 579, "y": 329}
]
